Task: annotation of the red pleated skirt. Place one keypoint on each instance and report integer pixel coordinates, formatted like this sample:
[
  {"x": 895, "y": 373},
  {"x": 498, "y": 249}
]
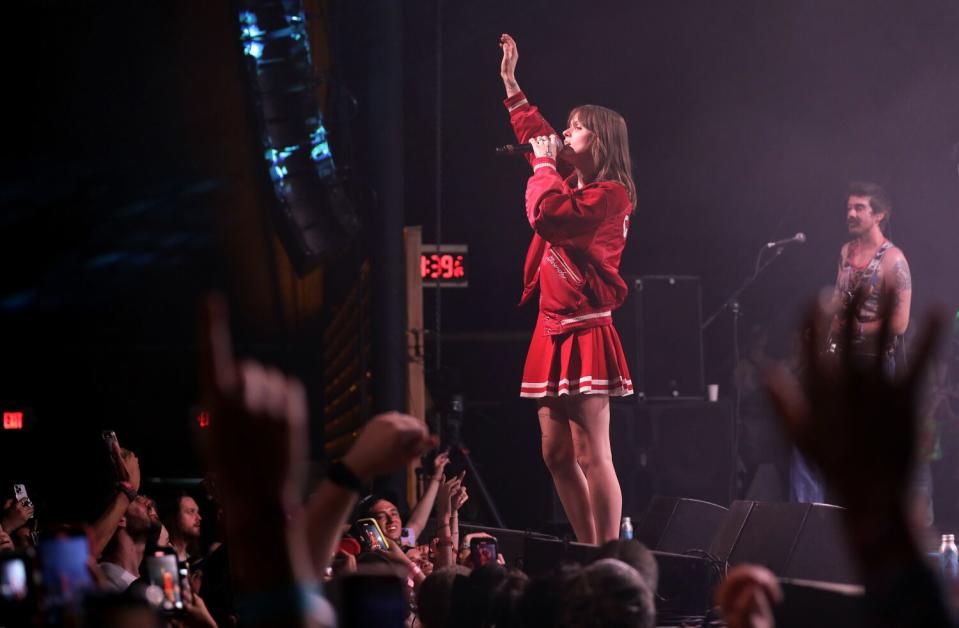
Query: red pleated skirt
[{"x": 582, "y": 362}]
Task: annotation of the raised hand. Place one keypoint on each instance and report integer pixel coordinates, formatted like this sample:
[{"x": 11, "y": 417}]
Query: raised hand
[
  {"x": 507, "y": 66},
  {"x": 439, "y": 463},
  {"x": 16, "y": 513},
  {"x": 857, "y": 423},
  {"x": 444, "y": 501},
  {"x": 544, "y": 146},
  {"x": 458, "y": 498},
  {"x": 387, "y": 443},
  {"x": 258, "y": 418},
  {"x": 127, "y": 466}
]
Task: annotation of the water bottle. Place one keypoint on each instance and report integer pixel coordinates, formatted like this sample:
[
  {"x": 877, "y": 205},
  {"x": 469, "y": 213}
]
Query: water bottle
[
  {"x": 626, "y": 530},
  {"x": 949, "y": 558}
]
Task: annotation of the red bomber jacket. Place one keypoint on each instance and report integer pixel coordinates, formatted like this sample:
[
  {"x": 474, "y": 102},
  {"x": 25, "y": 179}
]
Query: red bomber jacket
[{"x": 578, "y": 239}]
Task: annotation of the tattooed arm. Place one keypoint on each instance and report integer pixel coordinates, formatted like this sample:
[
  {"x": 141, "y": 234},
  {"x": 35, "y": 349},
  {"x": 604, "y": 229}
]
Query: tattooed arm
[
  {"x": 835, "y": 305},
  {"x": 898, "y": 280}
]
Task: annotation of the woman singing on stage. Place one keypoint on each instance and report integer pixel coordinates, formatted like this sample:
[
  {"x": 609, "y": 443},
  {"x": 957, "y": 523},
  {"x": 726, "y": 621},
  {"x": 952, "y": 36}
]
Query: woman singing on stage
[{"x": 578, "y": 201}]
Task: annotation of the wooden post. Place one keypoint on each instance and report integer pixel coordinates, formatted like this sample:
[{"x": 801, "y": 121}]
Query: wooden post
[{"x": 415, "y": 376}]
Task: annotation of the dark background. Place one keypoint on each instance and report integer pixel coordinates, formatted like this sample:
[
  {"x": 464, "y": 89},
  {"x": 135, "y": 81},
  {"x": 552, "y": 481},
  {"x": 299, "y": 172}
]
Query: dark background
[{"x": 126, "y": 175}]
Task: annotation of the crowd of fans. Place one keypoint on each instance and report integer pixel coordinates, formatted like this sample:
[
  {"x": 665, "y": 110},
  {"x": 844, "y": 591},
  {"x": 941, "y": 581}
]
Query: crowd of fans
[{"x": 261, "y": 554}]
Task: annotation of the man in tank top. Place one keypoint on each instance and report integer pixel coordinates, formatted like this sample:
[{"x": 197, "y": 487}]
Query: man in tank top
[{"x": 872, "y": 263}]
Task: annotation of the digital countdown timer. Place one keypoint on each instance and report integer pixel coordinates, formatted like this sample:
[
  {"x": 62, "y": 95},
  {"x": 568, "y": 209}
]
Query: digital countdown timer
[{"x": 444, "y": 265}]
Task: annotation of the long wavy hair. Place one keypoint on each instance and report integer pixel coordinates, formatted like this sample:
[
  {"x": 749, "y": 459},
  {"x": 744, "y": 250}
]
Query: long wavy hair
[{"x": 610, "y": 146}]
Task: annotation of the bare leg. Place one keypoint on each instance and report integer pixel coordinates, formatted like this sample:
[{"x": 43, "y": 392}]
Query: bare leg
[
  {"x": 589, "y": 424},
  {"x": 560, "y": 458}
]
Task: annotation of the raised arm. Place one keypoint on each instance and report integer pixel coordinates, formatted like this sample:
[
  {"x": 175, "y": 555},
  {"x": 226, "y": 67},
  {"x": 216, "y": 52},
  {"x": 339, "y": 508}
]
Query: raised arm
[
  {"x": 387, "y": 443},
  {"x": 421, "y": 512},
  {"x": 860, "y": 426},
  {"x": 526, "y": 119},
  {"x": 898, "y": 281},
  {"x": 445, "y": 555},
  {"x": 507, "y": 67},
  {"x": 258, "y": 448},
  {"x": 128, "y": 482},
  {"x": 835, "y": 304}
]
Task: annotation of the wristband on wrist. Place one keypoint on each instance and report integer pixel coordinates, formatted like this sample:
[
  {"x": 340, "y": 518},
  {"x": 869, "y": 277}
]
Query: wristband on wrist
[
  {"x": 343, "y": 476},
  {"x": 544, "y": 162},
  {"x": 127, "y": 489},
  {"x": 515, "y": 101}
]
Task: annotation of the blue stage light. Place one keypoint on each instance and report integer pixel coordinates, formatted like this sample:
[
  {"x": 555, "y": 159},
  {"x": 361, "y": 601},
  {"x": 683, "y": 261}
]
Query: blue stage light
[
  {"x": 320, "y": 152},
  {"x": 296, "y": 147},
  {"x": 251, "y": 34},
  {"x": 253, "y": 49}
]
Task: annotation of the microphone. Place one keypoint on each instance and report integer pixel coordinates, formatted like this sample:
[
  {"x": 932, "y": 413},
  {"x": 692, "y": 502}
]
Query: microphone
[
  {"x": 514, "y": 149},
  {"x": 799, "y": 238}
]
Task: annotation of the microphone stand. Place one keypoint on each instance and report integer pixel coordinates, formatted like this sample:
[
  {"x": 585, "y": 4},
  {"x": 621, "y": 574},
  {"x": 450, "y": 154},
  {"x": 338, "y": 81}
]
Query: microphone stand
[{"x": 732, "y": 304}]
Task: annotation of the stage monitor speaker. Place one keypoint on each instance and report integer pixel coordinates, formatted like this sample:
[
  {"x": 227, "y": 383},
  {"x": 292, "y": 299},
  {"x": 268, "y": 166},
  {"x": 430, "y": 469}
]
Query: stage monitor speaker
[
  {"x": 629, "y": 438},
  {"x": 675, "y": 449},
  {"x": 821, "y": 551},
  {"x": 793, "y": 540},
  {"x": 668, "y": 354},
  {"x": 766, "y": 484},
  {"x": 686, "y": 586},
  {"x": 677, "y": 525}
]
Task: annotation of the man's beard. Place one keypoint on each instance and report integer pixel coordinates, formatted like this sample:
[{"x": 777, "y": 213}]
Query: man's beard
[
  {"x": 153, "y": 533},
  {"x": 140, "y": 531}
]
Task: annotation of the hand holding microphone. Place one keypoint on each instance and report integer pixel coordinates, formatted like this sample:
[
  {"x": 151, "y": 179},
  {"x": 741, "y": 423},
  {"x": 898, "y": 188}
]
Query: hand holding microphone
[
  {"x": 546, "y": 146},
  {"x": 552, "y": 144}
]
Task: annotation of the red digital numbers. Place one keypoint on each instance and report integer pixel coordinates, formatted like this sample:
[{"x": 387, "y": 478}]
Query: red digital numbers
[
  {"x": 13, "y": 420},
  {"x": 442, "y": 266},
  {"x": 203, "y": 419}
]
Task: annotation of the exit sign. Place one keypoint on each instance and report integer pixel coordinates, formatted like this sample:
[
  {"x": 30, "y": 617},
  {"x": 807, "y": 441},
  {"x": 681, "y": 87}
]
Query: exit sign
[{"x": 13, "y": 420}]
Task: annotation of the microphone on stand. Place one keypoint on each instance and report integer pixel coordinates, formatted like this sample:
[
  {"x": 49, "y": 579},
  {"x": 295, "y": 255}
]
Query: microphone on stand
[{"x": 799, "y": 238}]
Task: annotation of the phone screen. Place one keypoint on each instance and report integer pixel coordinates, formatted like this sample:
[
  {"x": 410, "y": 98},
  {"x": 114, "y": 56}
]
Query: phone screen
[
  {"x": 63, "y": 566},
  {"x": 14, "y": 578},
  {"x": 374, "y": 600},
  {"x": 370, "y": 535},
  {"x": 17, "y": 598},
  {"x": 163, "y": 572},
  {"x": 483, "y": 551},
  {"x": 186, "y": 589},
  {"x": 406, "y": 538}
]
